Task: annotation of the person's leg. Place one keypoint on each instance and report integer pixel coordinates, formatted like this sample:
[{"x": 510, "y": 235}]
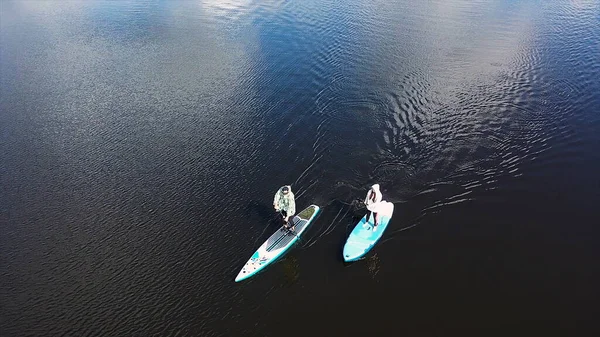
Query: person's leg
[
  {"x": 375, "y": 219},
  {"x": 368, "y": 216},
  {"x": 283, "y": 216}
]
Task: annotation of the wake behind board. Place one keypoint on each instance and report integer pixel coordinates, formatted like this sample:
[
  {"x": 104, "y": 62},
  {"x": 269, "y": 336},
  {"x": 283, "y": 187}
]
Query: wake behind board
[
  {"x": 278, "y": 243},
  {"x": 364, "y": 236}
]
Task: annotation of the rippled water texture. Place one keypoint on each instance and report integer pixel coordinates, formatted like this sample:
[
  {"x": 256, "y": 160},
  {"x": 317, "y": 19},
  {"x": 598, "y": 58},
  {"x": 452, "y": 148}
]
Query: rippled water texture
[{"x": 141, "y": 143}]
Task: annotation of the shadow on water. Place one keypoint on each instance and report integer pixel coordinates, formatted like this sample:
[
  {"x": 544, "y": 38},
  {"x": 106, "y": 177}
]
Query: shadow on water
[
  {"x": 266, "y": 212},
  {"x": 270, "y": 219},
  {"x": 291, "y": 269},
  {"x": 257, "y": 208},
  {"x": 373, "y": 264}
]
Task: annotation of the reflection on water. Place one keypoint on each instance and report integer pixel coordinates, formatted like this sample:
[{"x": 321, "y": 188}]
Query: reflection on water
[
  {"x": 373, "y": 264},
  {"x": 291, "y": 269}
]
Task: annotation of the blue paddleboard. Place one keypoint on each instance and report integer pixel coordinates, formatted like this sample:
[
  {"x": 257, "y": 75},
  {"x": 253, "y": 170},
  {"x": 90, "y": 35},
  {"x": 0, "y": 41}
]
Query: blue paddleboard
[{"x": 364, "y": 235}]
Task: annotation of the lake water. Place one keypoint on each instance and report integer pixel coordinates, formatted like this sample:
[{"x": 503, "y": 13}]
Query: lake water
[{"x": 141, "y": 143}]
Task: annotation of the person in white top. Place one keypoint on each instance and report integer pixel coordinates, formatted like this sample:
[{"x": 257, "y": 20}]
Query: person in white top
[{"x": 372, "y": 200}]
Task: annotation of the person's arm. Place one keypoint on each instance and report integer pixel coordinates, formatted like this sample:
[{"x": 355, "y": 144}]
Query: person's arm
[
  {"x": 368, "y": 198},
  {"x": 276, "y": 200},
  {"x": 378, "y": 197},
  {"x": 292, "y": 207}
]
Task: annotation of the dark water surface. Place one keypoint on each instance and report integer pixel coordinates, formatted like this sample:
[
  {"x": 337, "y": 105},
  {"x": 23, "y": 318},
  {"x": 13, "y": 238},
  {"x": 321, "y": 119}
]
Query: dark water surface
[{"x": 141, "y": 143}]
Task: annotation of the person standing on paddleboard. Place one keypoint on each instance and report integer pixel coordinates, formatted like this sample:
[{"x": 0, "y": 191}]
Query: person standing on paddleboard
[
  {"x": 285, "y": 203},
  {"x": 372, "y": 200}
]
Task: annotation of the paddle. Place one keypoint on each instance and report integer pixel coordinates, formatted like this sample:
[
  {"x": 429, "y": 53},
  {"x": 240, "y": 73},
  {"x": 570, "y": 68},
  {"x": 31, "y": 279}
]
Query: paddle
[{"x": 358, "y": 203}]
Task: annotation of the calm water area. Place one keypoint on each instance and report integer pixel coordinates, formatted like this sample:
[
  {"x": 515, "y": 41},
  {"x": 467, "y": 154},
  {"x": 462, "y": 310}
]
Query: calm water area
[{"x": 141, "y": 144}]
